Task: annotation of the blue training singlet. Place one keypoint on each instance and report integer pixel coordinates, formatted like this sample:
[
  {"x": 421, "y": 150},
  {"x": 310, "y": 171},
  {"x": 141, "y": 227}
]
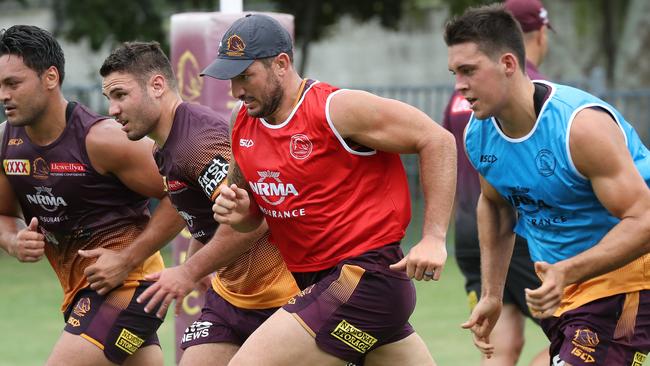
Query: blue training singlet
[{"x": 558, "y": 211}]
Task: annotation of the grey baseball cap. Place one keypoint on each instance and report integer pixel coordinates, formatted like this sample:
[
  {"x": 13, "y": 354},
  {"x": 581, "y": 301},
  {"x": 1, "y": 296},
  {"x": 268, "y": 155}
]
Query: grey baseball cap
[{"x": 249, "y": 38}]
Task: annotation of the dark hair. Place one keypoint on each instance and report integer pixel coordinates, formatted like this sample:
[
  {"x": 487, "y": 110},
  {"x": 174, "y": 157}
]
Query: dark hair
[
  {"x": 267, "y": 61},
  {"x": 492, "y": 28},
  {"x": 37, "y": 47},
  {"x": 139, "y": 59}
]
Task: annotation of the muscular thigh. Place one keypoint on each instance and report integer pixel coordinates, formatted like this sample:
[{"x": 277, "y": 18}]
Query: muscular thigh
[
  {"x": 282, "y": 341},
  {"x": 212, "y": 354},
  {"x": 410, "y": 351}
]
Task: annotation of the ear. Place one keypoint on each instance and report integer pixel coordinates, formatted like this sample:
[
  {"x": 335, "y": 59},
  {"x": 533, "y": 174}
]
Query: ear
[
  {"x": 51, "y": 77},
  {"x": 283, "y": 63},
  {"x": 509, "y": 63},
  {"x": 158, "y": 85}
]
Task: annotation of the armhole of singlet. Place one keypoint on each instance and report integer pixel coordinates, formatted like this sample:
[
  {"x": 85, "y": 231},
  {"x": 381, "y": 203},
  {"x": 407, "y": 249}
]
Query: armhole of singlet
[
  {"x": 337, "y": 134},
  {"x": 465, "y": 141},
  {"x": 3, "y": 129},
  {"x": 568, "y": 131}
]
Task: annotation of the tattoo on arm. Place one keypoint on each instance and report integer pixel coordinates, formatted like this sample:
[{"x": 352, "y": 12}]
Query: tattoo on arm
[{"x": 235, "y": 176}]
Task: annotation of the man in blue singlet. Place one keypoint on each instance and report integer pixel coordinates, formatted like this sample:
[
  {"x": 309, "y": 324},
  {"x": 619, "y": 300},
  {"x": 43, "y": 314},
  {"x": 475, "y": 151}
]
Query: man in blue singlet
[{"x": 565, "y": 170}]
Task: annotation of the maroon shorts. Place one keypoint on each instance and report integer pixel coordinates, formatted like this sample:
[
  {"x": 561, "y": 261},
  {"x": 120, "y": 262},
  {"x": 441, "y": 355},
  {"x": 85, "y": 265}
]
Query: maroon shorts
[
  {"x": 614, "y": 330},
  {"x": 114, "y": 322},
  {"x": 356, "y": 306},
  {"x": 222, "y": 322}
]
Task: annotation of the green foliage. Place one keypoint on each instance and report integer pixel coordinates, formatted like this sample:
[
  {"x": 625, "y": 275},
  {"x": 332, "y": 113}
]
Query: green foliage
[
  {"x": 314, "y": 17},
  {"x": 110, "y": 20},
  {"x": 458, "y": 6}
]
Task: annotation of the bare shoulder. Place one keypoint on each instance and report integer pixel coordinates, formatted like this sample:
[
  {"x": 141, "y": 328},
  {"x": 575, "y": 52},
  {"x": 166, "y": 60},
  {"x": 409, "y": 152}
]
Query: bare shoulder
[{"x": 596, "y": 141}]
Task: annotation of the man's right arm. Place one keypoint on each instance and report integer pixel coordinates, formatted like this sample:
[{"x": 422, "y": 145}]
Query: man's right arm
[
  {"x": 496, "y": 219},
  {"x": 176, "y": 282}
]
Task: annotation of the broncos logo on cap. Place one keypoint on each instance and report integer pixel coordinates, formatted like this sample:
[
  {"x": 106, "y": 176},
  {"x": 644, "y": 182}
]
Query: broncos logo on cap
[{"x": 236, "y": 46}]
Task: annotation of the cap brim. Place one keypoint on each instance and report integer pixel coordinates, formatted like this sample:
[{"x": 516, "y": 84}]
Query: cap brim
[{"x": 226, "y": 69}]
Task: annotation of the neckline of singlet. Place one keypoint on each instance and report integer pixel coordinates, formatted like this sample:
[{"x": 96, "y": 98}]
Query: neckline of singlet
[{"x": 301, "y": 91}]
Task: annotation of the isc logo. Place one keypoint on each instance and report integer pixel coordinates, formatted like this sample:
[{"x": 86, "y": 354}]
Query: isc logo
[
  {"x": 488, "y": 159},
  {"x": 245, "y": 142}
]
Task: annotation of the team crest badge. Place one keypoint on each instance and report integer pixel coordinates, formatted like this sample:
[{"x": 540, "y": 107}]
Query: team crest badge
[
  {"x": 41, "y": 170},
  {"x": 300, "y": 146},
  {"x": 235, "y": 46},
  {"x": 545, "y": 162}
]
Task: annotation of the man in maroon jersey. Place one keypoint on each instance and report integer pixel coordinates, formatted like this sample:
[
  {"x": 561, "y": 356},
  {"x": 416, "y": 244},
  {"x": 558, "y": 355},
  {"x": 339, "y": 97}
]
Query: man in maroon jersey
[
  {"x": 82, "y": 186},
  {"x": 192, "y": 152},
  {"x": 321, "y": 166},
  {"x": 508, "y": 335}
]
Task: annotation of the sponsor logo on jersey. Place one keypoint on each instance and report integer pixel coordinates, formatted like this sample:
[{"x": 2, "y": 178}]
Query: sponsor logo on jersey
[
  {"x": 62, "y": 167},
  {"x": 73, "y": 321},
  {"x": 189, "y": 219},
  {"x": 46, "y": 199},
  {"x": 521, "y": 199},
  {"x": 354, "y": 337},
  {"x": 16, "y": 166},
  {"x": 128, "y": 342},
  {"x": 557, "y": 361},
  {"x": 52, "y": 219},
  {"x": 15, "y": 142},
  {"x": 300, "y": 146},
  {"x": 639, "y": 358},
  {"x": 488, "y": 158},
  {"x": 213, "y": 174},
  {"x": 271, "y": 189},
  {"x": 173, "y": 186},
  {"x": 197, "y": 330},
  {"x": 246, "y": 143},
  {"x": 49, "y": 237},
  {"x": 82, "y": 307},
  {"x": 460, "y": 105},
  {"x": 41, "y": 169},
  {"x": 302, "y": 293}
]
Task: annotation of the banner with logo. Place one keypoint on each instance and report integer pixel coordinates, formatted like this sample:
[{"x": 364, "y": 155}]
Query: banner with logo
[{"x": 195, "y": 39}]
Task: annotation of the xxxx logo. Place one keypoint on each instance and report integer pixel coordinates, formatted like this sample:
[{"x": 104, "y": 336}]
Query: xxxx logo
[{"x": 16, "y": 166}]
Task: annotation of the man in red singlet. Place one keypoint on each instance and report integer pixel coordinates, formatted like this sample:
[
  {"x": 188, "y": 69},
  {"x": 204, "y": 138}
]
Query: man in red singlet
[{"x": 322, "y": 167}]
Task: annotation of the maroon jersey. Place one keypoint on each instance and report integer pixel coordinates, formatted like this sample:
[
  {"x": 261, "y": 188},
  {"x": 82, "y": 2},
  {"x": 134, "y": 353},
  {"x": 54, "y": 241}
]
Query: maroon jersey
[
  {"x": 77, "y": 207},
  {"x": 194, "y": 162}
]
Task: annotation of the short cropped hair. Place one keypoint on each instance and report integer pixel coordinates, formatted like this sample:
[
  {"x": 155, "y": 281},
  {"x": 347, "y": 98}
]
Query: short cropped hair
[
  {"x": 37, "y": 47},
  {"x": 492, "y": 28},
  {"x": 140, "y": 59}
]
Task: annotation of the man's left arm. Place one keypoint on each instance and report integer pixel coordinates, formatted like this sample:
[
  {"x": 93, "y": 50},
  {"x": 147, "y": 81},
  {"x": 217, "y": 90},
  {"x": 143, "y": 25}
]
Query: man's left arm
[
  {"x": 599, "y": 152},
  {"x": 111, "y": 152},
  {"x": 392, "y": 126}
]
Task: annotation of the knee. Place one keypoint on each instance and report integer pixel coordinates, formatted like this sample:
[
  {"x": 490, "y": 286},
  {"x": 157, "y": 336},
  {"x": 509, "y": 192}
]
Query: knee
[{"x": 514, "y": 348}]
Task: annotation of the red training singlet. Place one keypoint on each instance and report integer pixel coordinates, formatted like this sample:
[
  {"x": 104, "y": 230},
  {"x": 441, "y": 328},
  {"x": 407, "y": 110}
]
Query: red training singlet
[{"x": 323, "y": 201}]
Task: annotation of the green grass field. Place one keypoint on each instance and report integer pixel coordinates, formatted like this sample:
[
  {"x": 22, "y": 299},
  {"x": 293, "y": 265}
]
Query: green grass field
[{"x": 30, "y": 320}]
